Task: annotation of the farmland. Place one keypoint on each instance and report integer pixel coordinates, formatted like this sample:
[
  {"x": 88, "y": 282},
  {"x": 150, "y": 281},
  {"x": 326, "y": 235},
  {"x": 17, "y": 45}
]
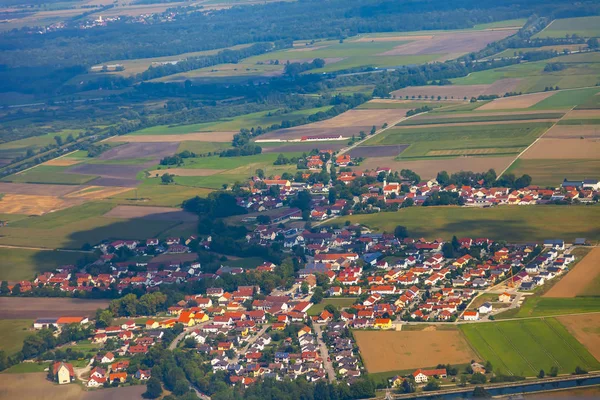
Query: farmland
[
  {"x": 18, "y": 264},
  {"x": 521, "y": 224},
  {"x": 15, "y": 308},
  {"x": 524, "y": 347},
  {"x": 586, "y": 329},
  {"x": 13, "y": 332},
  {"x": 551, "y": 172},
  {"x": 398, "y": 350},
  {"x": 584, "y": 26}
]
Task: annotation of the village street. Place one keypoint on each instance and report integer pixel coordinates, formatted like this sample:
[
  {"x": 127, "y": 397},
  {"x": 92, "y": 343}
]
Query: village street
[
  {"x": 253, "y": 339},
  {"x": 324, "y": 353}
]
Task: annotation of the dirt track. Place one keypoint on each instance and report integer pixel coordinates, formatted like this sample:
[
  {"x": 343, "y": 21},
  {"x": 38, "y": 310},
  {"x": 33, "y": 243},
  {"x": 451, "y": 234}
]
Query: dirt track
[
  {"x": 38, "y": 307},
  {"x": 576, "y": 280}
]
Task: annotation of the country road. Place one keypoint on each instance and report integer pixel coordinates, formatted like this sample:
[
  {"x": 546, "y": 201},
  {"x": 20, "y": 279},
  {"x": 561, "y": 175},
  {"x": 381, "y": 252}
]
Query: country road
[{"x": 324, "y": 353}]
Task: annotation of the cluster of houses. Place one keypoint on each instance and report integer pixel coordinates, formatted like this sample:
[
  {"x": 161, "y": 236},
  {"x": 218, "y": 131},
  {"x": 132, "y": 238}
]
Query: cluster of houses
[{"x": 342, "y": 350}]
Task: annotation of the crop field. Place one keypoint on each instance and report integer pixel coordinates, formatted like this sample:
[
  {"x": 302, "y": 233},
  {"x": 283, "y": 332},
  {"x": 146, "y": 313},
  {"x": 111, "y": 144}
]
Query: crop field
[
  {"x": 13, "y": 332},
  {"x": 576, "y": 281},
  {"x": 459, "y": 92},
  {"x": 36, "y": 386},
  {"x": 18, "y": 264},
  {"x": 153, "y": 213},
  {"x": 559, "y": 48},
  {"x": 399, "y": 350},
  {"x": 294, "y": 147},
  {"x": 573, "y": 132},
  {"x": 551, "y": 172},
  {"x": 586, "y": 329},
  {"x": 51, "y": 175},
  {"x": 583, "y": 26},
  {"x": 377, "y": 151},
  {"x": 403, "y": 104},
  {"x": 219, "y": 137},
  {"x": 524, "y": 224},
  {"x": 536, "y": 306},
  {"x": 567, "y": 98},
  {"x": 202, "y": 147},
  {"x": 524, "y": 347},
  {"x": 17, "y": 148},
  {"x": 516, "y": 102},
  {"x": 474, "y": 117},
  {"x": 151, "y": 193},
  {"x": 33, "y": 205},
  {"x": 563, "y": 149},
  {"x": 16, "y": 308},
  {"x": 503, "y": 137}
]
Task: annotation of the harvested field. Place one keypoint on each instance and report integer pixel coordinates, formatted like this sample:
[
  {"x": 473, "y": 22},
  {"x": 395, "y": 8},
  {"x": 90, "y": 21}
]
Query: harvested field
[
  {"x": 576, "y": 280},
  {"x": 185, "y": 172},
  {"x": 586, "y": 329},
  {"x": 129, "y": 392},
  {"x": 394, "y": 38},
  {"x": 563, "y": 149},
  {"x": 390, "y": 350},
  {"x": 63, "y": 162},
  {"x": 35, "y": 385},
  {"x": 474, "y": 152},
  {"x": 37, "y": 189},
  {"x": 523, "y": 101},
  {"x": 551, "y": 172},
  {"x": 477, "y": 114},
  {"x": 187, "y": 137},
  {"x": 453, "y": 44},
  {"x": 306, "y": 147},
  {"x": 138, "y": 150},
  {"x": 459, "y": 92},
  {"x": 111, "y": 174},
  {"x": 415, "y": 124},
  {"x": 573, "y": 132},
  {"x": 167, "y": 258},
  {"x": 583, "y": 114},
  {"x": 97, "y": 192},
  {"x": 154, "y": 213},
  {"x": 32, "y": 205},
  {"x": 377, "y": 151},
  {"x": 31, "y": 308},
  {"x": 429, "y": 168}
]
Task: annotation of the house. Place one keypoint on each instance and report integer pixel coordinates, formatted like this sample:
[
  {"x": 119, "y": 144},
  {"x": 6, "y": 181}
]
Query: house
[
  {"x": 152, "y": 324},
  {"x": 423, "y": 375},
  {"x": 142, "y": 374},
  {"x": 63, "y": 372},
  {"x": 107, "y": 358},
  {"x": 504, "y": 297},
  {"x": 96, "y": 381},
  {"x": 117, "y": 377},
  {"x": 471, "y": 315},
  {"x": 383, "y": 323},
  {"x": 485, "y": 308}
]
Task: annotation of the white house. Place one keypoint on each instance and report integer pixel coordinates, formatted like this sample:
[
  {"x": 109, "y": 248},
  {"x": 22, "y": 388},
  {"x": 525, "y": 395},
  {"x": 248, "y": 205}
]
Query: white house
[
  {"x": 471, "y": 315},
  {"x": 485, "y": 308}
]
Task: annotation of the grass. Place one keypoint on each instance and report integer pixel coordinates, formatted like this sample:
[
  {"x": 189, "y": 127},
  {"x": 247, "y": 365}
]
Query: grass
[
  {"x": 337, "y": 302},
  {"x": 583, "y": 26},
  {"x": 19, "y": 264},
  {"x": 520, "y": 224},
  {"x": 49, "y": 174},
  {"x": 536, "y": 306},
  {"x": 151, "y": 193},
  {"x": 480, "y": 118},
  {"x": 525, "y": 347},
  {"x": 203, "y": 147},
  {"x": 500, "y": 139},
  {"x": 26, "y": 368},
  {"x": 13, "y": 332},
  {"x": 559, "y": 48},
  {"x": 566, "y": 99},
  {"x": 20, "y": 147},
  {"x": 402, "y": 105},
  {"x": 551, "y": 172}
]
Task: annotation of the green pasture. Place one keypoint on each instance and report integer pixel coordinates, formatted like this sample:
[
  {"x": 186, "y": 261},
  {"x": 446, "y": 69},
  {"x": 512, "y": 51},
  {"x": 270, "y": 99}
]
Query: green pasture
[
  {"x": 49, "y": 174},
  {"x": 524, "y": 224},
  {"x": 582, "y": 26},
  {"x": 13, "y": 332},
  {"x": 568, "y": 99},
  {"x": 151, "y": 193},
  {"x": 495, "y": 139},
  {"x": 551, "y": 172},
  {"x": 18, "y": 264},
  {"x": 19, "y": 147},
  {"x": 338, "y": 302},
  {"x": 525, "y": 347},
  {"x": 537, "y": 306}
]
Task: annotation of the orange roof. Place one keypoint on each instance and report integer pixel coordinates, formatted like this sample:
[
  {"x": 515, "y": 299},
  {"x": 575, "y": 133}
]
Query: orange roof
[{"x": 69, "y": 320}]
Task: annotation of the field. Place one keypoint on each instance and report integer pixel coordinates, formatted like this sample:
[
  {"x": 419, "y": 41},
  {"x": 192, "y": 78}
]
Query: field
[
  {"x": 441, "y": 118},
  {"x": 49, "y": 174},
  {"x": 515, "y": 102},
  {"x": 16, "y": 308},
  {"x": 524, "y": 347},
  {"x": 576, "y": 281},
  {"x": 153, "y": 213},
  {"x": 338, "y": 302},
  {"x": 547, "y": 148},
  {"x": 584, "y": 26},
  {"x": 551, "y": 172},
  {"x": 586, "y": 329},
  {"x": 377, "y": 151},
  {"x": 559, "y": 48},
  {"x": 10, "y": 150},
  {"x": 219, "y": 137},
  {"x": 522, "y": 224},
  {"x": 18, "y": 264},
  {"x": 459, "y": 92},
  {"x": 535, "y": 306},
  {"x": 496, "y": 139},
  {"x": 392, "y": 103},
  {"x": 13, "y": 332},
  {"x": 391, "y": 350}
]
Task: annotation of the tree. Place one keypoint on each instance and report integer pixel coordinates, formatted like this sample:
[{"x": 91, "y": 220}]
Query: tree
[
  {"x": 58, "y": 140},
  {"x": 362, "y": 135},
  {"x": 166, "y": 178},
  {"x": 478, "y": 378},
  {"x": 373, "y": 130},
  {"x": 103, "y": 318},
  {"x": 304, "y": 288},
  {"x": 488, "y": 367},
  {"x": 481, "y": 392},
  {"x": 401, "y": 232},
  {"x": 554, "y": 371},
  {"x": 432, "y": 385},
  {"x": 153, "y": 388},
  {"x": 260, "y": 173},
  {"x": 593, "y": 43},
  {"x": 541, "y": 374},
  {"x": 580, "y": 371},
  {"x": 443, "y": 178},
  {"x": 181, "y": 387}
]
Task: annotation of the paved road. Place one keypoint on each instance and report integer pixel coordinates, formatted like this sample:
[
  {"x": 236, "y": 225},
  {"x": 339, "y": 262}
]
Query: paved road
[
  {"x": 253, "y": 339},
  {"x": 178, "y": 339},
  {"x": 324, "y": 353}
]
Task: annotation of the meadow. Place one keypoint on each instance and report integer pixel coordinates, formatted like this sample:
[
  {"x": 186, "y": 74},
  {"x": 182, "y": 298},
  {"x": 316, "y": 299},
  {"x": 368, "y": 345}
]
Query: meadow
[
  {"x": 19, "y": 147},
  {"x": 551, "y": 172},
  {"x": 583, "y": 26},
  {"x": 523, "y": 224},
  {"x": 13, "y": 332},
  {"x": 18, "y": 264},
  {"x": 337, "y": 302},
  {"x": 536, "y": 306},
  {"x": 525, "y": 347},
  {"x": 483, "y": 139},
  {"x": 49, "y": 174}
]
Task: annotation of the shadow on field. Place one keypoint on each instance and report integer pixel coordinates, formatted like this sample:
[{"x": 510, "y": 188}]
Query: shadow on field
[{"x": 510, "y": 230}]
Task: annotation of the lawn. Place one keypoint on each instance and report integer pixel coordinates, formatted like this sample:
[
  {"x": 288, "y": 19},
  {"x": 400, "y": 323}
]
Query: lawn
[
  {"x": 517, "y": 224},
  {"x": 551, "y": 172},
  {"x": 583, "y": 26},
  {"x": 13, "y": 332},
  {"x": 482, "y": 139},
  {"x": 27, "y": 368},
  {"x": 49, "y": 174},
  {"x": 337, "y": 302},
  {"x": 18, "y": 264},
  {"x": 525, "y": 347}
]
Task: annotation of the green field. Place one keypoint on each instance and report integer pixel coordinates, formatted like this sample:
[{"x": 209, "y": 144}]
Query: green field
[
  {"x": 13, "y": 332},
  {"x": 552, "y": 172},
  {"x": 559, "y": 48},
  {"x": 490, "y": 139},
  {"x": 583, "y": 26},
  {"x": 151, "y": 193},
  {"x": 524, "y": 347},
  {"x": 19, "y": 264},
  {"x": 521, "y": 224},
  {"x": 536, "y": 306},
  {"x": 479, "y": 118},
  {"x": 337, "y": 302},
  {"x": 567, "y": 99},
  {"x": 49, "y": 174},
  {"x": 403, "y": 105},
  {"x": 19, "y": 147},
  {"x": 203, "y": 147}
]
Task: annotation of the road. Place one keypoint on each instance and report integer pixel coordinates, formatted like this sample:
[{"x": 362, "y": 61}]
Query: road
[
  {"x": 324, "y": 353},
  {"x": 253, "y": 339}
]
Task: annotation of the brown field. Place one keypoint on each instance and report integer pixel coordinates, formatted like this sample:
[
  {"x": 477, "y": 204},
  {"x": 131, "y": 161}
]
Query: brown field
[
  {"x": 499, "y": 87},
  {"x": 394, "y": 38},
  {"x": 429, "y": 168},
  {"x": 167, "y": 258},
  {"x": 32, "y": 308},
  {"x": 188, "y": 137},
  {"x": 521, "y": 121},
  {"x": 523, "y": 101},
  {"x": 573, "y": 132},
  {"x": 586, "y": 329},
  {"x": 35, "y": 386},
  {"x": 576, "y": 280},
  {"x": 583, "y": 114},
  {"x": 450, "y": 43},
  {"x": 186, "y": 172},
  {"x": 139, "y": 150},
  {"x": 97, "y": 192},
  {"x": 32, "y": 205},
  {"x": 563, "y": 149},
  {"x": 154, "y": 213},
  {"x": 479, "y": 114},
  {"x": 391, "y": 350},
  {"x": 62, "y": 162},
  {"x": 378, "y": 151},
  {"x": 306, "y": 147},
  {"x": 37, "y": 189}
]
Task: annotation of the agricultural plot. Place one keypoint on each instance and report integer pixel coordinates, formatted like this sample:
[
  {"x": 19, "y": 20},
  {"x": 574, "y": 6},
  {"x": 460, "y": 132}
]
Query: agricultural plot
[
  {"x": 377, "y": 151},
  {"x": 560, "y": 48},
  {"x": 586, "y": 329},
  {"x": 551, "y": 172},
  {"x": 480, "y": 117},
  {"x": 10, "y": 150},
  {"x": 49, "y": 175},
  {"x": 516, "y": 102},
  {"x": 403, "y": 104},
  {"x": 18, "y": 264},
  {"x": 576, "y": 281},
  {"x": 152, "y": 213},
  {"x": 546, "y": 148},
  {"x": 399, "y": 350},
  {"x": 37, "y": 386},
  {"x": 524, "y": 224},
  {"x": 458, "y": 92},
  {"x": 524, "y": 347},
  {"x": 16, "y": 308},
  {"x": 13, "y": 332},
  {"x": 583, "y": 26},
  {"x": 288, "y": 147}
]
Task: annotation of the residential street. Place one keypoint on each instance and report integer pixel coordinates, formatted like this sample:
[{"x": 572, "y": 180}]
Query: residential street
[
  {"x": 253, "y": 339},
  {"x": 324, "y": 353}
]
